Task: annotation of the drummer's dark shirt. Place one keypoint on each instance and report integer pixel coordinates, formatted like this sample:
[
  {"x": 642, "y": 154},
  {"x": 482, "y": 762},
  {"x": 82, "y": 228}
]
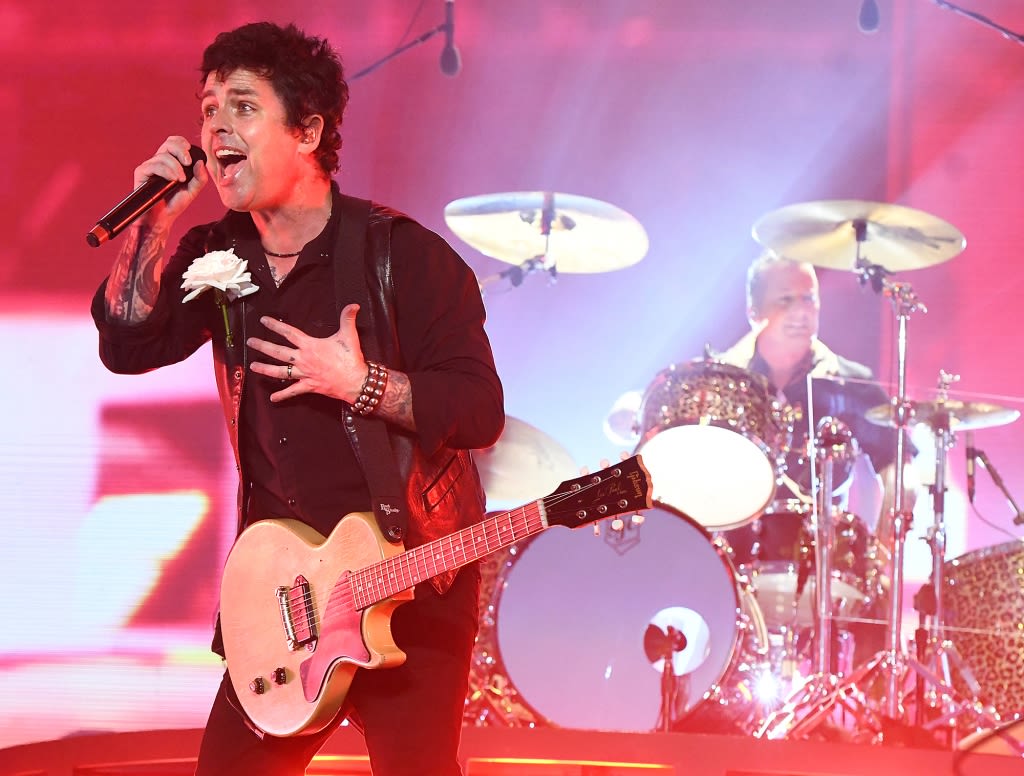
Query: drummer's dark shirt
[{"x": 846, "y": 396}]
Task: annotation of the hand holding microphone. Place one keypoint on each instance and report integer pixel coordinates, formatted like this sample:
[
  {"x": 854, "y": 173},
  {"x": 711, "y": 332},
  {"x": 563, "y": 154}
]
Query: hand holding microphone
[{"x": 170, "y": 181}]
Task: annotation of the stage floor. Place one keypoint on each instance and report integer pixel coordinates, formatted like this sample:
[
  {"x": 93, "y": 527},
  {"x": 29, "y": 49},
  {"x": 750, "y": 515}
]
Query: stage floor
[{"x": 489, "y": 751}]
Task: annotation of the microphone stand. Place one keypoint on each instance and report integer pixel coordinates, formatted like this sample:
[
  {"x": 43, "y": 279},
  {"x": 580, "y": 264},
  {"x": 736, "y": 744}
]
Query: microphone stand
[
  {"x": 400, "y": 50},
  {"x": 662, "y": 645},
  {"x": 1006, "y": 33},
  {"x": 987, "y": 464}
]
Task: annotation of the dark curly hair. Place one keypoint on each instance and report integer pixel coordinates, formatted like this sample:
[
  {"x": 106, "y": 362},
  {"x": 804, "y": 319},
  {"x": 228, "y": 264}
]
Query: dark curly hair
[{"x": 304, "y": 71}]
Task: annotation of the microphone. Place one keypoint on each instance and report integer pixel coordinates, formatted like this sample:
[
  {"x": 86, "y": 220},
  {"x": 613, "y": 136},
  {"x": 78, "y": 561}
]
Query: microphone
[
  {"x": 867, "y": 20},
  {"x": 139, "y": 201},
  {"x": 972, "y": 454},
  {"x": 451, "y": 62}
]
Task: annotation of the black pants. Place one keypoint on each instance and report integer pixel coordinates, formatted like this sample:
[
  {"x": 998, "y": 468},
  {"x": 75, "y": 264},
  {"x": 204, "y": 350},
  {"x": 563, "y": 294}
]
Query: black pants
[{"x": 410, "y": 716}]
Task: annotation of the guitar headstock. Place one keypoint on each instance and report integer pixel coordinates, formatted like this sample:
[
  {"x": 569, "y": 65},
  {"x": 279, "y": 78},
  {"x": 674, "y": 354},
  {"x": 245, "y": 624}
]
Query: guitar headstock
[{"x": 615, "y": 490}]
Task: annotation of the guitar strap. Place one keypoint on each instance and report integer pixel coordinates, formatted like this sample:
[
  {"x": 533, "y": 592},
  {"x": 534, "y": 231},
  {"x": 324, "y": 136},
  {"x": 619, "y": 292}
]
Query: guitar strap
[{"x": 373, "y": 447}]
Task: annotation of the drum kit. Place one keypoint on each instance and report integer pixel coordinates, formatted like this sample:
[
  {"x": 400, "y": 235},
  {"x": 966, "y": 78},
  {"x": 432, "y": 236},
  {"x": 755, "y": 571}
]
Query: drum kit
[{"x": 727, "y": 608}]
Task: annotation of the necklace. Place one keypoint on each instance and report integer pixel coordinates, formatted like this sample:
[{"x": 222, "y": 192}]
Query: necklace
[
  {"x": 296, "y": 253},
  {"x": 280, "y": 255}
]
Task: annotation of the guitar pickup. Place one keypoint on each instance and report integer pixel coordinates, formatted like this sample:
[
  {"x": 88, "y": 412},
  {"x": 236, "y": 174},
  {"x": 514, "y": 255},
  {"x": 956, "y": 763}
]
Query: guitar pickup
[{"x": 297, "y": 614}]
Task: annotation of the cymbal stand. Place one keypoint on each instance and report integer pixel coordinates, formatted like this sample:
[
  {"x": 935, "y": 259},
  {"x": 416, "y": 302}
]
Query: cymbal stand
[
  {"x": 515, "y": 274},
  {"x": 890, "y": 663},
  {"x": 941, "y": 651},
  {"x": 537, "y": 263}
]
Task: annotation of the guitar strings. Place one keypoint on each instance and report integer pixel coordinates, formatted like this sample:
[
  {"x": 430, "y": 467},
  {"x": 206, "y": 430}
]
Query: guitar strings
[
  {"x": 369, "y": 577},
  {"x": 347, "y": 595},
  {"x": 342, "y": 595},
  {"x": 370, "y": 574}
]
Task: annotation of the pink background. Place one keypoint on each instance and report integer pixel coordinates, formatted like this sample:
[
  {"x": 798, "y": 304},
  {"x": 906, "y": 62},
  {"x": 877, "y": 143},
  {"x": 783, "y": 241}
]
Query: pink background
[{"x": 696, "y": 117}]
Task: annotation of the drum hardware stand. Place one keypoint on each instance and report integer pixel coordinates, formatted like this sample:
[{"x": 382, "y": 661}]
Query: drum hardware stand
[
  {"x": 820, "y": 693},
  {"x": 834, "y": 439}
]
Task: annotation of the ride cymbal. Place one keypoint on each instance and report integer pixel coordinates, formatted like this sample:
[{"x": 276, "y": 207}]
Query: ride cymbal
[
  {"x": 957, "y": 415},
  {"x": 833, "y": 233},
  {"x": 524, "y": 464},
  {"x": 571, "y": 233}
]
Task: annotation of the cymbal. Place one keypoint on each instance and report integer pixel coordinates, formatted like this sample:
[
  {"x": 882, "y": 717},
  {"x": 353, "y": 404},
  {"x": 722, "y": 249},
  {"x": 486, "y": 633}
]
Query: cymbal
[
  {"x": 524, "y": 464},
  {"x": 572, "y": 233},
  {"x": 961, "y": 416},
  {"x": 825, "y": 234}
]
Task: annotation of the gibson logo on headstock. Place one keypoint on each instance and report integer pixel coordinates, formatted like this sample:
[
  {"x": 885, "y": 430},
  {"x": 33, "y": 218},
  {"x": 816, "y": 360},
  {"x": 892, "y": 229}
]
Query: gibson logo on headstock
[{"x": 638, "y": 483}]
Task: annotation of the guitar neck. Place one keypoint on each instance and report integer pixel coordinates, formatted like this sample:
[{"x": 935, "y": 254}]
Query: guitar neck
[{"x": 391, "y": 576}]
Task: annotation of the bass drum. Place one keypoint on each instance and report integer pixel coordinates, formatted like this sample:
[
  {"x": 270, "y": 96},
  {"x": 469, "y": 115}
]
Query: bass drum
[
  {"x": 983, "y": 608},
  {"x": 573, "y": 609}
]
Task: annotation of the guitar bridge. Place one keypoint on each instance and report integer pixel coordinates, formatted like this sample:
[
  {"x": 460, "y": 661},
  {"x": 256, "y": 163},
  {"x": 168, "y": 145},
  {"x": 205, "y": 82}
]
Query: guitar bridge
[{"x": 297, "y": 614}]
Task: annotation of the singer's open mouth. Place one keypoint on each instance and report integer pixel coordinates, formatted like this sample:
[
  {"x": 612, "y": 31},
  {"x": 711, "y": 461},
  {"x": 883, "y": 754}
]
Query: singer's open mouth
[{"x": 227, "y": 160}]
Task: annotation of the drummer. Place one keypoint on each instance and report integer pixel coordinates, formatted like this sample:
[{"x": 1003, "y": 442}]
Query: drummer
[{"x": 783, "y": 308}]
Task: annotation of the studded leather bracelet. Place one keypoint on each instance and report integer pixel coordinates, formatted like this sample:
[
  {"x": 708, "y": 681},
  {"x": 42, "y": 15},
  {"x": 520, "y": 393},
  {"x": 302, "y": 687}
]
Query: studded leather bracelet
[{"x": 373, "y": 389}]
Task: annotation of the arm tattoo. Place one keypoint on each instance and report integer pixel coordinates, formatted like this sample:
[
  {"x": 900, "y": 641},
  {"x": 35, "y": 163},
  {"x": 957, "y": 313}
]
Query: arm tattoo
[
  {"x": 396, "y": 403},
  {"x": 134, "y": 281}
]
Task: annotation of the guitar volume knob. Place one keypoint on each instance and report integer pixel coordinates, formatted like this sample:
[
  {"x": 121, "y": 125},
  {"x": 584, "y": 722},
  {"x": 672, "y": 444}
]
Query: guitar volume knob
[
  {"x": 279, "y": 676},
  {"x": 258, "y": 686}
]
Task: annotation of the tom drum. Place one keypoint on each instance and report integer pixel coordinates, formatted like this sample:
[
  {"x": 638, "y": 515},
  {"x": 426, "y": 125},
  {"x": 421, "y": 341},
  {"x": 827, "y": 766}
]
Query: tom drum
[{"x": 714, "y": 439}]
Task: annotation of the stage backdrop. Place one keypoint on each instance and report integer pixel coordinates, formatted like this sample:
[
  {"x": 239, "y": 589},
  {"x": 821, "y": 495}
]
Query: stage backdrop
[{"x": 697, "y": 118}]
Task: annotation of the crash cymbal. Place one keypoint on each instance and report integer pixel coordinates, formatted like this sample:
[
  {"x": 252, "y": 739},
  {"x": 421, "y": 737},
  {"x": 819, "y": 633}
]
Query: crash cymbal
[
  {"x": 524, "y": 464},
  {"x": 961, "y": 416},
  {"x": 572, "y": 233},
  {"x": 826, "y": 234}
]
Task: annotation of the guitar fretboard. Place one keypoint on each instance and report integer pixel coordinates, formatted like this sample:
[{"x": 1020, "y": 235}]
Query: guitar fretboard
[{"x": 391, "y": 576}]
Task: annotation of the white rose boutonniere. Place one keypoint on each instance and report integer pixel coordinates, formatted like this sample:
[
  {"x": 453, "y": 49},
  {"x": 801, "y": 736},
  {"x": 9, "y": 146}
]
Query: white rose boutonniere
[{"x": 226, "y": 274}]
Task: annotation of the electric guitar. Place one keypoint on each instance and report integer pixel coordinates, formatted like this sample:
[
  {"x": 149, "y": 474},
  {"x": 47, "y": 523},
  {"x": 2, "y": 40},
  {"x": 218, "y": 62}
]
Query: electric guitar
[{"x": 300, "y": 614}]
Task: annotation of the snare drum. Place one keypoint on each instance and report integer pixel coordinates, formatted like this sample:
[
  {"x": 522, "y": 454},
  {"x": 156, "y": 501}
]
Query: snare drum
[
  {"x": 776, "y": 552},
  {"x": 572, "y": 609},
  {"x": 714, "y": 439}
]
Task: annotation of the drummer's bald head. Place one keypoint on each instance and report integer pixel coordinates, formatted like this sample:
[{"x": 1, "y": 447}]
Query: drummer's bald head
[{"x": 759, "y": 267}]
